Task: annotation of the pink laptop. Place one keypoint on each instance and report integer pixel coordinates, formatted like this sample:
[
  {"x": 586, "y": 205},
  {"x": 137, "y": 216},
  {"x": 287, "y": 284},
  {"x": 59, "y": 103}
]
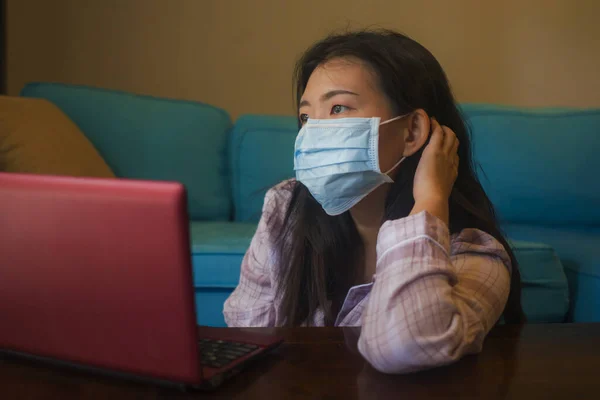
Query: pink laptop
[{"x": 97, "y": 273}]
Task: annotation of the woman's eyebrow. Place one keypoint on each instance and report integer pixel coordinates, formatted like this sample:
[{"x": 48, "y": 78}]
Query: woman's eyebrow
[{"x": 329, "y": 95}]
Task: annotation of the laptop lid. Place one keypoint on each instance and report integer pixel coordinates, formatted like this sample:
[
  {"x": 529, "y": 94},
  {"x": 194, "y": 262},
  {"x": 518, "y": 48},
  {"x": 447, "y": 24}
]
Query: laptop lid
[{"x": 98, "y": 272}]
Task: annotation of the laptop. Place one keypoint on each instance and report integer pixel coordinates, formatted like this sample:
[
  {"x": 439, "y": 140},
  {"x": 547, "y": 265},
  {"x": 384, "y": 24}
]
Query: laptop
[{"x": 96, "y": 273}]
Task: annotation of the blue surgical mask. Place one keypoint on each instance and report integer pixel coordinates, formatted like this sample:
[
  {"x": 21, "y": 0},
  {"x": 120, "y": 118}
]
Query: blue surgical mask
[{"x": 338, "y": 160}]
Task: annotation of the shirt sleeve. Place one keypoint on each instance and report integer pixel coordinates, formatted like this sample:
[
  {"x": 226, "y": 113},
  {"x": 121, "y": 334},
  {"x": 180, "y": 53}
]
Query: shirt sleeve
[
  {"x": 251, "y": 304},
  {"x": 430, "y": 304}
]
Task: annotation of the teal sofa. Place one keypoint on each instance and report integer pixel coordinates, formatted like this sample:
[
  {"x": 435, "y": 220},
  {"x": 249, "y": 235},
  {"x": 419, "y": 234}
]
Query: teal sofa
[{"x": 540, "y": 167}]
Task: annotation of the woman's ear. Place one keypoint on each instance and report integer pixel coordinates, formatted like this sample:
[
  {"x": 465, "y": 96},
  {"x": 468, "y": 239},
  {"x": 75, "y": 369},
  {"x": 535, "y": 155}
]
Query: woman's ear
[{"x": 417, "y": 132}]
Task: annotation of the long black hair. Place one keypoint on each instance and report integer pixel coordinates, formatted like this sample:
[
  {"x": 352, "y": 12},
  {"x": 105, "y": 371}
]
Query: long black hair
[{"x": 320, "y": 254}]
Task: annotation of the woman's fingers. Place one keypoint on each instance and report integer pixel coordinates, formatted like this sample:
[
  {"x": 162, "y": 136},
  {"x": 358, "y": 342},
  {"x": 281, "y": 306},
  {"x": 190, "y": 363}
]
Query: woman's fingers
[
  {"x": 450, "y": 141},
  {"x": 437, "y": 135},
  {"x": 455, "y": 147}
]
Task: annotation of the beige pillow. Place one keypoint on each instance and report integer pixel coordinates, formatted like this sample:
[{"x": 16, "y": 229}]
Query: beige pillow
[{"x": 37, "y": 137}]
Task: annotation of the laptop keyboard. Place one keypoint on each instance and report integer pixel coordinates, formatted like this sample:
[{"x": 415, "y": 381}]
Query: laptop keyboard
[{"x": 219, "y": 353}]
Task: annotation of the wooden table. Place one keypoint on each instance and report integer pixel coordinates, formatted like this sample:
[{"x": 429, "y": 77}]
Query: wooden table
[{"x": 535, "y": 362}]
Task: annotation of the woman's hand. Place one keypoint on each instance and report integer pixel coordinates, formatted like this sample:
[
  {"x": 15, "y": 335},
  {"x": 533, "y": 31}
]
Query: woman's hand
[{"x": 436, "y": 173}]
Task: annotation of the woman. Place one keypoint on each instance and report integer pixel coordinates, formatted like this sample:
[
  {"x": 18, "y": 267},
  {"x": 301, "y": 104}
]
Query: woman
[{"x": 386, "y": 225}]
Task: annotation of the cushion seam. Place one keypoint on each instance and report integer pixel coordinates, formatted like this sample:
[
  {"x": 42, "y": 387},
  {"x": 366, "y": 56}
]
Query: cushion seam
[{"x": 238, "y": 161}]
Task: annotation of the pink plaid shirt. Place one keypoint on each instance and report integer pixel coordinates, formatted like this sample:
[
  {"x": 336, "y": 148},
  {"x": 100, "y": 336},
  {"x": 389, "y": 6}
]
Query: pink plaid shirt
[{"x": 433, "y": 299}]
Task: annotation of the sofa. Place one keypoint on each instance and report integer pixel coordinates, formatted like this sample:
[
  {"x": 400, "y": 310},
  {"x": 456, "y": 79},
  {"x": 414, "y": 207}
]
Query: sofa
[{"x": 540, "y": 167}]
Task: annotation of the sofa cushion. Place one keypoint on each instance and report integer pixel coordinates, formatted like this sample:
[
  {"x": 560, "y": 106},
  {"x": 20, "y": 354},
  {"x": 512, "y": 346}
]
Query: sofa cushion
[
  {"x": 539, "y": 165},
  {"x": 261, "y": 155},
  {"x": 144, "y": 137},
  {"x": 37, "y": 137},
  {"x": 217, "y": 252},
  {"x": 544, "y": 288},
  {"x": 579, "y": 252}
]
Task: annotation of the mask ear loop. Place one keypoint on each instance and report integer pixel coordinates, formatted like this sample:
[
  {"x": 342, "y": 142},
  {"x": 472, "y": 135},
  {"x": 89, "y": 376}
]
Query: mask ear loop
[
  {"x": 395, "y": 165},
  {"x": 403, "y": 158},
  {"x": 394, "y": 119}
]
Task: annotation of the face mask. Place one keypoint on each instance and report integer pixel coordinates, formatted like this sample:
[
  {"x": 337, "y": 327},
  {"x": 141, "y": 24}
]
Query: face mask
[{"x": 338, "y": 160}]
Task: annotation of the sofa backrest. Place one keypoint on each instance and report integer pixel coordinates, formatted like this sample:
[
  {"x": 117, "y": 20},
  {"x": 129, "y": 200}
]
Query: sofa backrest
[
  {"x": 261, "y": 152},
  {"x": 540, "y": 166},
  {"x": 145, "y": 137}
]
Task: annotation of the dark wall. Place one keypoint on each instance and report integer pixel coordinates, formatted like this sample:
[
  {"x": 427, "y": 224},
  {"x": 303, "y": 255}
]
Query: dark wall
[{"x": 2, "y": 47}]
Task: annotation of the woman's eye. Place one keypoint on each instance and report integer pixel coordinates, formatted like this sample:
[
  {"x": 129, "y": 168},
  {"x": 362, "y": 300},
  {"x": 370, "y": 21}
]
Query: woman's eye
[
  {"x": 338, "y": 109},
  {"x": 303, "y": 118}
]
